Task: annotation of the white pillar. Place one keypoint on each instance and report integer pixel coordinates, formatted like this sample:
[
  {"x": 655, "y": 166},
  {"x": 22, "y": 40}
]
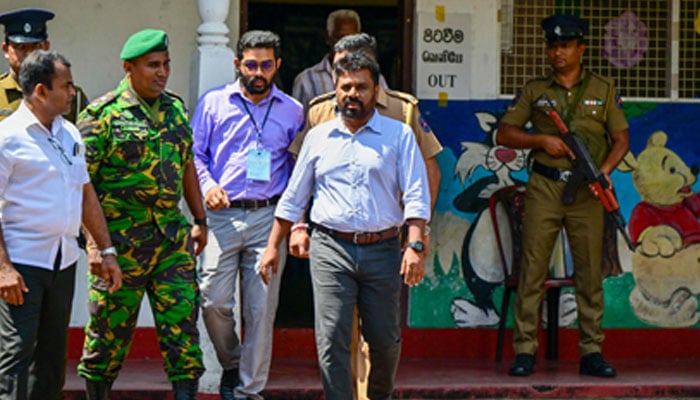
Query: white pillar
[
  {"x": 212, "y": 65},
  {"x": 212, "y": 60}
]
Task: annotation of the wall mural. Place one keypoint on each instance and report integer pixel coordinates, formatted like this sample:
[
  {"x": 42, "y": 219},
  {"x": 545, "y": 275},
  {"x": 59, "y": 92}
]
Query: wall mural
[{"x": 656, "y": 286}]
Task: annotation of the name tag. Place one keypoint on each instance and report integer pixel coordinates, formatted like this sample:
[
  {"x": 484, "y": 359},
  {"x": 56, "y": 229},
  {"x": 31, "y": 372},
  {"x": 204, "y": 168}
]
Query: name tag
[{"x": 259, "y": 165}]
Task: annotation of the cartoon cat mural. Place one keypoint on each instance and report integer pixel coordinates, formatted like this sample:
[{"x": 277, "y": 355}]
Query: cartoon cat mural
[
  {"x": 666, "y": 263},
  {"x": 481, "y": 267}
]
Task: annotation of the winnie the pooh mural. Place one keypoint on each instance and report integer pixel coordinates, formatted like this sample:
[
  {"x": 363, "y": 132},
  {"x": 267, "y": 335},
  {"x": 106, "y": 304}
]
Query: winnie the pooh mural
[{"x": 665, "y": 226}]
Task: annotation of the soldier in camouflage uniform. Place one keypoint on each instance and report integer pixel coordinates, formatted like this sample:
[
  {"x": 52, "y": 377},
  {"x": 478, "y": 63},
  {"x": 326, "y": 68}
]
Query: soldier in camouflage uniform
[
  {"x": 25, "y": 31},
  {"x": 139, "y": 155}
]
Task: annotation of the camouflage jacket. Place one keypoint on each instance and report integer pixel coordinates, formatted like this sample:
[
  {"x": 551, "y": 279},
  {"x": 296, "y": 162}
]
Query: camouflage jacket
[{"x": 136, "y": 164}]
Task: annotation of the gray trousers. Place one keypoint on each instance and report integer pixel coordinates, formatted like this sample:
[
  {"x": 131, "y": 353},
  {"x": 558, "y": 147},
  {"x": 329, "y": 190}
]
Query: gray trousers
[
  {"x": 34, "y": 335},
  {"x": 237, "y": 240},
  {"x": 343, "y": 275}
]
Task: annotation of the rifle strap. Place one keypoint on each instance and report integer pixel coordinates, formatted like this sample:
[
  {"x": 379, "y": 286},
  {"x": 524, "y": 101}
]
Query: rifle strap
[{"x": 569, "y": 109}]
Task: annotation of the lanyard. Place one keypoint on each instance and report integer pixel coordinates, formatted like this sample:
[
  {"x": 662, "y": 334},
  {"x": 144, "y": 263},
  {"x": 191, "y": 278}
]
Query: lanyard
[
  {"x": 568, "y": 109},
  {"x": 258, "y": 130}
]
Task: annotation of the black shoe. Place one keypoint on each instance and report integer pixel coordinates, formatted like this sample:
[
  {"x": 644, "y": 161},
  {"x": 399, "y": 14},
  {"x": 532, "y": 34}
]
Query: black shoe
[
  {"x": 229, "y": 381},
  {"x": 593, "y": 364},
  {"x": 185, "y": 389},
  {"x": 523, "y": 365}
]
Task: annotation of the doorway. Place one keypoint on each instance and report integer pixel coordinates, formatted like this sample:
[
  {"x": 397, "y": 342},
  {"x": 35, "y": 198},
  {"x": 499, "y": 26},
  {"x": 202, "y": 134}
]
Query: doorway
[{"x": 301, "y": 25}]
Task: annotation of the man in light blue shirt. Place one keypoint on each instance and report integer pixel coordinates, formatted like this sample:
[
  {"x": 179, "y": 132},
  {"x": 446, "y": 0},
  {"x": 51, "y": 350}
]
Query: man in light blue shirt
[
  {"x": 241, "y": 135},
  {"x": 367, "y": 178}
]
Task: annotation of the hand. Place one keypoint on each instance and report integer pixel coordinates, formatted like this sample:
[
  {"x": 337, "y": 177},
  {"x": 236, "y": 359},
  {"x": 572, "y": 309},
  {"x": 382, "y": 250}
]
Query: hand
[
  {"x": 199, "y": 237},
  {"x": 270, "y": 261},
  {"x": 12, "y": 285},
  {"x": 412, "y": 267},
  {"x": 94, "y": 260},
  {"x": 299, "y": 243},
  {"x": 111, "y": 273},
  {"x": 555, "y": 147},
  {"x": 216, "y": 198}
]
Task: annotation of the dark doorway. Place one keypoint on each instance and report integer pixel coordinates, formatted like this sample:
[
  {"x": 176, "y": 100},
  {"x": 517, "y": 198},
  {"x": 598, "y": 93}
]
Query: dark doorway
[{"x": 301, "y": 25}]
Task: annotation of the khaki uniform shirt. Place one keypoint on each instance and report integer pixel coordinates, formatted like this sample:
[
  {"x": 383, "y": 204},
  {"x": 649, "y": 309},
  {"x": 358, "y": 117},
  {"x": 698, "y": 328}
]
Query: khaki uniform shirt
[
  {"x": 393, "y": 104},
  {"x": 11, "y": 97},
  {"x": 596, "y": 113}
]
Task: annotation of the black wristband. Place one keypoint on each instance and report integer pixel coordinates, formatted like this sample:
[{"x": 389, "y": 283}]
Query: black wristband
[{"x": 200, "y": 221}]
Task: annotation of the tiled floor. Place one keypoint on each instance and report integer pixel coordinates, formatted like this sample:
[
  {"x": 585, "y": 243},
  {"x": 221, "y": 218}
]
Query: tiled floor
[{"x": 438, "y": 379}]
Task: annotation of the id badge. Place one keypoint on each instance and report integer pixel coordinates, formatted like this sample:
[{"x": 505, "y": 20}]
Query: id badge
[{"x": 259, "y": 165}]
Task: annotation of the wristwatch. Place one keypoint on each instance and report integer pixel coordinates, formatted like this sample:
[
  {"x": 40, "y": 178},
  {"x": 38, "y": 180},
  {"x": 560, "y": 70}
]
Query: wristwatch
[
  {"x": 418, "y": 246},
  {"x": 109, "y": 251}
]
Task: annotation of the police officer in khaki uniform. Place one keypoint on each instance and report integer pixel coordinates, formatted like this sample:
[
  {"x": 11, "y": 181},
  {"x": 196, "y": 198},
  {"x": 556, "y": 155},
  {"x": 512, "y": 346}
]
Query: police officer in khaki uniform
[
  {"x": 25, "y": 31},
  {"x": 393, "y": 104},
  {"x": 590, "y": 106}
]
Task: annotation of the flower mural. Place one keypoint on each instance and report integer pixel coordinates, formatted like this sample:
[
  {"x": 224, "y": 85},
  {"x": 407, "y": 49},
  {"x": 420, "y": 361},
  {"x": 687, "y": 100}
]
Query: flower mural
[{"x": 625, "y": 40}]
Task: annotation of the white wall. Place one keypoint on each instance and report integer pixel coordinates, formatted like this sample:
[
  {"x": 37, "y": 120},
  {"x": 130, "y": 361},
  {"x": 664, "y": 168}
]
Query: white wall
[{"x": 91, "y": 34}]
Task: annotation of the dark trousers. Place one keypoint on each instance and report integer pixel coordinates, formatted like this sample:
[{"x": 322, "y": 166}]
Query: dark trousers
[
  {"x": 345, "y": 275},
  {"x": 33, "y": 335}
]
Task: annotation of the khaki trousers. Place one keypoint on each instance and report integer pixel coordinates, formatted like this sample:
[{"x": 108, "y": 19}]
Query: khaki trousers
[{"x": 544, "y": 216}]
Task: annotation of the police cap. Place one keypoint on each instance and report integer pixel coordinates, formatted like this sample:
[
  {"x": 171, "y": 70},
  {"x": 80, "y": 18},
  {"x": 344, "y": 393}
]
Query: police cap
[
  {"x": 562, "y": 27},
  {"x": 27, "y": 25},
  {"x": 143, "y": 42}
]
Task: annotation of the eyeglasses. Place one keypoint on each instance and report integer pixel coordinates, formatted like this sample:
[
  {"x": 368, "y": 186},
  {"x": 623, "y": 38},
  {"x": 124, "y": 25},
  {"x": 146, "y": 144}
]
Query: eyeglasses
[
  {"x": 266, "y": 65},
  {"x": 57, "y": 145}
]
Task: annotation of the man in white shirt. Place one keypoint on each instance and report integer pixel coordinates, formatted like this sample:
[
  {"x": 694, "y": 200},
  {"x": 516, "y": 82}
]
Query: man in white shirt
[{"x": 45, "y": 193}]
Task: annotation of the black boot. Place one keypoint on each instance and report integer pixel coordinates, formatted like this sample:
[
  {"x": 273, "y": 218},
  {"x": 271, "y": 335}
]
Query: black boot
[
  {"x": 97, "y": 390},
  {"x": 185, "y": 389},
  {"x": 229, "y": 381}
]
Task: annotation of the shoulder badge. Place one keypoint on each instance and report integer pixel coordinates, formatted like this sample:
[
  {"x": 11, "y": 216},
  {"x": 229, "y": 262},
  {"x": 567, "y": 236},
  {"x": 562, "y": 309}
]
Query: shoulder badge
[
  {"x": 618, "y": 100},
  {"x": 402, "y": 95},
  {"x": 424, "y": 124},
  {"x": 321, "y": 98}
]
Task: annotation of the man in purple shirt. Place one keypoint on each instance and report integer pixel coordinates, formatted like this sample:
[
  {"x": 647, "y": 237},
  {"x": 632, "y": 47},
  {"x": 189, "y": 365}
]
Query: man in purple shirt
[{"x": 241, "y": 135}]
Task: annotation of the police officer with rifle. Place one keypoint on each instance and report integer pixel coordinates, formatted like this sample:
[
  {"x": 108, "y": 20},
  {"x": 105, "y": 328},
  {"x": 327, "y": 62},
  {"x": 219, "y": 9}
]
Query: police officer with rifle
[{"x": 588, "y": 105}]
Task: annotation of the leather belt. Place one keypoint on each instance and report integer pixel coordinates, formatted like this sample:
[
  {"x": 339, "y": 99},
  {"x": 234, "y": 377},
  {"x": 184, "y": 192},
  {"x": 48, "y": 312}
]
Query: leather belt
[
  {"x": 254, "y": 204},
  {"x": 361, "y": 238},
  {"x": 552, "y": 173}
]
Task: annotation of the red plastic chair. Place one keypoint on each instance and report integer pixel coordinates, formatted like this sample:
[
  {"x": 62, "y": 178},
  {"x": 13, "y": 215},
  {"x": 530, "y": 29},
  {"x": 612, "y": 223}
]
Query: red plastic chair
[{"x": 511, "y": 200}]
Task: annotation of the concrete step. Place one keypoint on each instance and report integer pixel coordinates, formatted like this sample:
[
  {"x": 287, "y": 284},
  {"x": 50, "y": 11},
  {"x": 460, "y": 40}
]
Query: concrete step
[{"x": 298, "y": 379}]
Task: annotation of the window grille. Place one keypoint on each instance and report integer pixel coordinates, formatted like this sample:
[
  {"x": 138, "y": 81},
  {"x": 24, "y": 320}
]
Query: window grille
[{"x": 628, "y": 41}]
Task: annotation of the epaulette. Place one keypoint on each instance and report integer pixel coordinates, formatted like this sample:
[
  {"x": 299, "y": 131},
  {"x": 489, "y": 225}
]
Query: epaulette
[
  {"x": 99, "y": 103},
  {"x": 175, "y": 95},
  {"x": 3, "y": 76},
  {"x": 402, "y": 96},
  {"x": 321, "y": 98}
]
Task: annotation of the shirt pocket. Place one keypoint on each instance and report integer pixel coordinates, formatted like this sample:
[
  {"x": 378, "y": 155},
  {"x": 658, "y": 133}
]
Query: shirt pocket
[{"x": 130, "y": 143}]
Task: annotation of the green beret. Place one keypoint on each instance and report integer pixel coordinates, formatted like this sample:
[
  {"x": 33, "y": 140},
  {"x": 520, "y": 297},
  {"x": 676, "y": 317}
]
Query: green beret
[{"x": 143, "y": 42}]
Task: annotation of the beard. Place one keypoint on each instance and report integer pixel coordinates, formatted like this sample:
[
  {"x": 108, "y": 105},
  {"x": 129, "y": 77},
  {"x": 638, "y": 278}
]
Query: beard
[
  {"x": 250, "y": 81},
  {"x": 353, "y": 113}
]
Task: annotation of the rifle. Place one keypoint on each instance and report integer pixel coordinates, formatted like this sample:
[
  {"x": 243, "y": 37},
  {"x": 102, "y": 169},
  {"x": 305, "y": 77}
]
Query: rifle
[{"x": 586, "y": 168}]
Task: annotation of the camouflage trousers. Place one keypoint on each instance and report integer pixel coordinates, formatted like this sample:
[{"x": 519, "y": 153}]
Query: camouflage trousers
[{"x": 166, "y": 272}]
